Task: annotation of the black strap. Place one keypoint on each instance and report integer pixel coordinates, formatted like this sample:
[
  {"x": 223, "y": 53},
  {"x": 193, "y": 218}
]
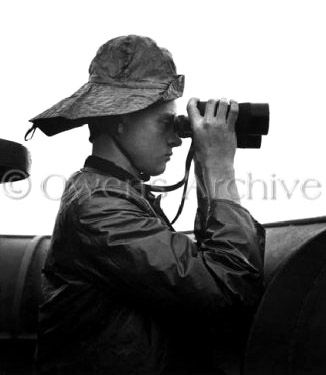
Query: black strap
[
  {"x": 107, "y": 166},
  {"x": 30, "y": 132},
  {"x": 156, "y": 204},
  {"x": 184, "y": 182}
]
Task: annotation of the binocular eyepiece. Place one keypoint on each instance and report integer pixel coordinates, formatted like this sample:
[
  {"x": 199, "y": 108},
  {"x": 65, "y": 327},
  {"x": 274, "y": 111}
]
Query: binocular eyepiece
[{"x": 252, "y": 123}]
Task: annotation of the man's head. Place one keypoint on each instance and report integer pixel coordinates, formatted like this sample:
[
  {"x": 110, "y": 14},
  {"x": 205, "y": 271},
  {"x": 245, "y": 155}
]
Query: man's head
[{"x": 146, "y": 137}]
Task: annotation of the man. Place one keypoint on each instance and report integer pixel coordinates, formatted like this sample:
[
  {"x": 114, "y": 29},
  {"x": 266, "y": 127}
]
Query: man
[{"x": 123, "y": 292}]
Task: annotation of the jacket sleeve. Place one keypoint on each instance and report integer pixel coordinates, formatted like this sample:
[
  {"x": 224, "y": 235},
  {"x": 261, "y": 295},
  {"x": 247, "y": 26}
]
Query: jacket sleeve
[{"x": 124, "y": 247}]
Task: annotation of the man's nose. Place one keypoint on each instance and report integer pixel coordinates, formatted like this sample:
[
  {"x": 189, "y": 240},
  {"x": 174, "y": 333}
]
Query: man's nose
[{"x": 174, "y": 140}]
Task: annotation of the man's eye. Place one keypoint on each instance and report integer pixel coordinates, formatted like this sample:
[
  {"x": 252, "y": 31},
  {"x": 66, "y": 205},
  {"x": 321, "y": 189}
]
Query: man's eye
[
  {"x": 169, "y": 125},
  {"x": 169, "y": 122}
]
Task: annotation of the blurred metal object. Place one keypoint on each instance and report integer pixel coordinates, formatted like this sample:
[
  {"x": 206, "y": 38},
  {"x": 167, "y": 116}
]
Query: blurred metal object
[
  {"x": 14, "y": 161},
  {"x": 21, "y": 261},
  {"x": 288, "y": 335}
]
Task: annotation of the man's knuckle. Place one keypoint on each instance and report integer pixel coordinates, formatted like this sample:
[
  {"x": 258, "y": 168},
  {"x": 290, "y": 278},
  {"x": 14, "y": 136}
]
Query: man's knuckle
[
  {"x": 206, "y": 123},
  {"x": 234, "y": 109}
]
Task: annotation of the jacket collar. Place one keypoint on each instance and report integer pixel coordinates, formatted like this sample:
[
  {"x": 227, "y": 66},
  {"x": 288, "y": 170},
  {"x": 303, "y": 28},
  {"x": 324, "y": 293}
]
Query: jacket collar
[{"x": 108, "y": 167}]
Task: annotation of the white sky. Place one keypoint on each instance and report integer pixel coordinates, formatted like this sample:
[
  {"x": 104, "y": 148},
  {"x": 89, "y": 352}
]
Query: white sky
[{"x": 257, "y": 51}]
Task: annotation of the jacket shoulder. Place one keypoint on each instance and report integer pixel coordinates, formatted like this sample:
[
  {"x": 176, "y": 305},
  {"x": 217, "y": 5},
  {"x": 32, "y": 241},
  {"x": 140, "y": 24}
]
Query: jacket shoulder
[{"x": 88, "y": 185}]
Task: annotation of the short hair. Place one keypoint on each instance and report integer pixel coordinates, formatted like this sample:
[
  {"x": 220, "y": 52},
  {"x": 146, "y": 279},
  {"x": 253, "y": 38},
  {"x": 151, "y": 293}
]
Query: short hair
[
  {"x": 102, "y": 125},
  {"x": 108, "y": 124}
]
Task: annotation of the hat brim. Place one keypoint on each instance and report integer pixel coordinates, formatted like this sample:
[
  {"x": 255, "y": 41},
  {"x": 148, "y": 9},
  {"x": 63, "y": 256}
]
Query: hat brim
[{"x": 97, "y": 100}]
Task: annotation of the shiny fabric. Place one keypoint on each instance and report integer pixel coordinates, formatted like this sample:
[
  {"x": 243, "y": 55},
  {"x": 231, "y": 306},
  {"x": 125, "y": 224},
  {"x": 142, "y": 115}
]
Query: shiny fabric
[
  {"x": 125, "y": 294},
  {"x": 128, "y": 73}
]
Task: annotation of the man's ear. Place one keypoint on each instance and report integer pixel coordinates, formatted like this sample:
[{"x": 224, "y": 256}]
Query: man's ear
[{"x": 120, "y": 128}]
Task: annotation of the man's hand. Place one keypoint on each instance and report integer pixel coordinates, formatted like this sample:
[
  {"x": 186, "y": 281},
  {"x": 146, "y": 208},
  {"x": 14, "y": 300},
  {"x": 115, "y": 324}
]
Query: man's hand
[
  {"x": 215, "y": 144},
  {"x": 213, "y": 134}
]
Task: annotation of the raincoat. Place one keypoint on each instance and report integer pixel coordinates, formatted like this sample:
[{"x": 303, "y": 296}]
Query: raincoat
[{"x": 126, "y": 294}]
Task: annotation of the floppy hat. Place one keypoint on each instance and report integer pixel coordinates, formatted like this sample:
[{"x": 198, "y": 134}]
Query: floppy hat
[{"x": 128, "y": 73}]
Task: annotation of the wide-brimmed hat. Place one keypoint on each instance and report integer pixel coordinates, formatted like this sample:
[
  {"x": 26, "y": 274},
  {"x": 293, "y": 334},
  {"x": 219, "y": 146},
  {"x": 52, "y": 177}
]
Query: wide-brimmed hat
[{"x": 128, "y": 74}]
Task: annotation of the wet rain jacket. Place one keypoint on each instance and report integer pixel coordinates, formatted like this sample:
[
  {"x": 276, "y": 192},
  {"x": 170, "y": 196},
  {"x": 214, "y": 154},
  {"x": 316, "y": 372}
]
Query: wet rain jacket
[{"x": 125, "y": 294}]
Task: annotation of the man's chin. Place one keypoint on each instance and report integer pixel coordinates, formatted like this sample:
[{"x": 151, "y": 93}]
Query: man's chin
[{"x": 158, "y": 171}]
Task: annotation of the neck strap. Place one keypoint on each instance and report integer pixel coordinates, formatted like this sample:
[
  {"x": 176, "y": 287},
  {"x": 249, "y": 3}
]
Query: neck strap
[
  {"x": 161, "y": 189},
  {"x": 184, "y": 182}
]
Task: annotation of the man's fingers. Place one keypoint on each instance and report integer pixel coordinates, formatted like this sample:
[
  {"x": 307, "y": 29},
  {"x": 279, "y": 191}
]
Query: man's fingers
[
  {"x": 210, "y": 111},
  {"x": 192, "y": 110},
  {"x": 222, "y": 109},
  {"x": 233, "y": 114},
  {"x": 223, "y": 115}
]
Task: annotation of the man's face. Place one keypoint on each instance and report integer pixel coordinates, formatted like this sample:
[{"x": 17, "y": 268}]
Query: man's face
[{"x": 148, "y": 136}]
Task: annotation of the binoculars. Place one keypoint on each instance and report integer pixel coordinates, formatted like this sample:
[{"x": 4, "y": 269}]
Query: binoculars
[{"x": 251, "y": 125}]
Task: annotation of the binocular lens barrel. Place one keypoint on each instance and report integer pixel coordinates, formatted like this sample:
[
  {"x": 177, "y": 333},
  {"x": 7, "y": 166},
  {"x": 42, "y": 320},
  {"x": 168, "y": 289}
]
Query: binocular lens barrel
[{"x": 252, "y": 123}]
